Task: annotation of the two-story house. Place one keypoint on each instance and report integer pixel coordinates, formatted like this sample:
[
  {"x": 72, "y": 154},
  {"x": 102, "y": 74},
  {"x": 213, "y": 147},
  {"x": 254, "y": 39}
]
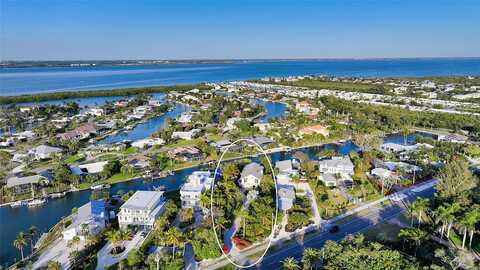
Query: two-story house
[{"x": 142, "y": 209}]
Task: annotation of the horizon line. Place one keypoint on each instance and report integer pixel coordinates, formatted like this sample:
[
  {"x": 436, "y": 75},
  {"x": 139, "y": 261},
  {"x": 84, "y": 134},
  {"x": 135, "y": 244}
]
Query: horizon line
[{"x": 251, "y": 59}]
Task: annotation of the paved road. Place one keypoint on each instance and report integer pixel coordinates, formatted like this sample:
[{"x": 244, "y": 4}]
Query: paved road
[{"x": 358, "y": 224}]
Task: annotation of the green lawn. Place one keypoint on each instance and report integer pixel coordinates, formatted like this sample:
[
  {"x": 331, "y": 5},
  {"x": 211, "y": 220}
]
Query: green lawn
[
  {"x": 129, "y": 151},
  {"x": 75, "y": 158}
]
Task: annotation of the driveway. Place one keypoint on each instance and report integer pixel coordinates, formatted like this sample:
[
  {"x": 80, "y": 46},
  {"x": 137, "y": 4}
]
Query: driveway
[
  {"x": 105, "y": 259},
  {"x": 189, "y": 258},
  {"x": 59, "y": 252}
]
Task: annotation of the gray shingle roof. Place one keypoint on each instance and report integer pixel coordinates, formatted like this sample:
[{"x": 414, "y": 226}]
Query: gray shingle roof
[{"x": 254, "y": 169}]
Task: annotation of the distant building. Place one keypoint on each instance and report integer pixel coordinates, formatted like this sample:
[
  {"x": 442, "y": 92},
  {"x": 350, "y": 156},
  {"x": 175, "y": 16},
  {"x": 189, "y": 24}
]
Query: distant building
[
  {"x": 314, "y": 129},
  {"x": 251, "y": 175},
  {"x": 185, "y": 118},
  {"x": 185, "y": 135},
  {"x": 42, "y": 152},
  {"x": 186, "y": 153},
  {"x": 89, "y": 168},
  {"x": 24, "y": 184},
  {"x": 142, "y": 209}
]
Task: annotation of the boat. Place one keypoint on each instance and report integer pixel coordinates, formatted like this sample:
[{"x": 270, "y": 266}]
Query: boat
[
  {"x": 129, "y": 127},
  {"x": 98, "y": 187},
  {"x": 58, "y": 195},
  {"x": 17, "y": 204},
  {"x": 159, "y": 188},
  {"x": 36, "y": 202}
]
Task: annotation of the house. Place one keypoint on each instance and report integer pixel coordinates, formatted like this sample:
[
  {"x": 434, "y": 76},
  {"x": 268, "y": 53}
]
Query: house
[
  {"x": 222, "y": 145},
  {"x": 328, "y": 179},
  {"x": 263, "y": 142},
  {"x": 304, "y": 107},
  {"x": 336, "y": 165},
  {"x": 139, "y": 162},
  {"x": 403, "y": 166},
  {"x": 185, "y": 118},
  {"x": 381, "y": 173},
  {"x": 7, "y": 143},
  {"x": 146, "y": 143},
  {"x": 286, "y": 168},
  {"x": 90, "y": 219},
  {"x": 453, "y": 138},
  {"x": 142, "y": 209},
  {"x": 95, "y": 111},
  {"x": 230, "y": 124},
  {"x": 25, "y": 135},
  {"x": 397, "y": 148},
  {"x": 286, "y": 197},
  {"x": 141, "y": 110},
  {"x": 263, "y": 127},
  {"x": 24, "y": 184},
  {"x": 155, "y": 103},
  {"x": 314, "y": 129},
  {"x": 42, "y": 152},
  {"x": 186, "y": 153},
  {"x": 185, "y": 135},
  {"x": 80, "y": 133},
  {"x": 196, "y": 183},
  {"x": 251, "y": 175},
  {"x": 90, "y": 168}
]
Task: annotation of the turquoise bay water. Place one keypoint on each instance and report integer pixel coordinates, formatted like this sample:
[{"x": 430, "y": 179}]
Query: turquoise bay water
[{"x": 18, "y": 81}]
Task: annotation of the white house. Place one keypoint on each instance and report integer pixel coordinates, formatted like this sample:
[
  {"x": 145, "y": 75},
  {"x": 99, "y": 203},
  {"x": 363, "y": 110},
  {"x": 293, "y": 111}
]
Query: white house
[
  {"x": 336, "y": 165},
  {"x": 89, "y": 220},
  {"x": 328, "y": 179},
  {"x": 44, "y": 152},
  {"x": 185, "y": 118},
  {"x": 196, "y": 183},
  {"x": 145, "y": 143},
  {"x": 90, "y": 168},
  {"x": 381, "y": 172},
  {"x": 286, "y": 169},
  {"x": 95, "y": 111},
  {"x": 286, "y": 195},
  {"x": 142, "y": 209},
  {"x": 251, "y": 175},
  {"x": 230, "y": 124},
  {"x": 185, "y": 135}
]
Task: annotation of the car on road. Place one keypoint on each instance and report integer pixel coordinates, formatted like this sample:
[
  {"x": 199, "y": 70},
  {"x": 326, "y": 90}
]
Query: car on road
[{"x": 334, "y": 229}]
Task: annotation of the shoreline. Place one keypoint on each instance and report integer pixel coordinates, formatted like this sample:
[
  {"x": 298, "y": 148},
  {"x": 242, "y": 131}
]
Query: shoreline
[{"x": 113, "y": 92}]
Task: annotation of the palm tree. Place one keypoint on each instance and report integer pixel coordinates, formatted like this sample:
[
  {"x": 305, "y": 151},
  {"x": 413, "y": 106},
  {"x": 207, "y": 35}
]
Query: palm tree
[
  {"x": 420, "y": 206},
  {"x": 114, "y": 237},
  {"x": 173, "y": 237},
  {"x": 54, "y": 265},
  {"x": 413, "y": 234},
  {"x": 290, "y": 263},
  {"x": 32, "y": 232},
  {"x": 468, "y": 222},
  {"x": 20, "y": 242},
  {"x": 74, "y": 242},
  {"x": 452, "y": 210},
  {"x": 310, "y": 256}
]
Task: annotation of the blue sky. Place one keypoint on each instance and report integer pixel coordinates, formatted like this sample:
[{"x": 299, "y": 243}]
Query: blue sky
[{"x": 207, "y": 29}]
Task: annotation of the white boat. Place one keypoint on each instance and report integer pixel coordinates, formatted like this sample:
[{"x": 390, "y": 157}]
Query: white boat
[
  {"x": 17, "y": 204},
  {"x": 129, "y": 127},
  {"x": 36, "y": 202},
  {"x": 58, "y": 195},
  {"x": 98, "y": 187}
]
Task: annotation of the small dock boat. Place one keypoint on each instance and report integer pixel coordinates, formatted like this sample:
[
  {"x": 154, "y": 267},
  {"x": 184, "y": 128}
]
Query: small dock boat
[
  {"x": 99, "y": 187},
  {"x": 36, "y": 202},
  {"x": 17, "y": 204}
]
